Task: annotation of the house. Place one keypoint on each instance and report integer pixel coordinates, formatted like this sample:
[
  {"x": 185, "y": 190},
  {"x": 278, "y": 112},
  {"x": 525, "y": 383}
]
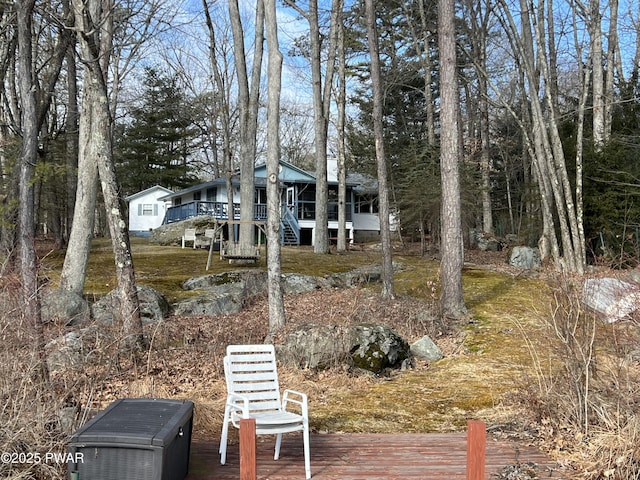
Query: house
[
  {"x": 298, "y": 203},
  {"x": 146, "y": 210}
]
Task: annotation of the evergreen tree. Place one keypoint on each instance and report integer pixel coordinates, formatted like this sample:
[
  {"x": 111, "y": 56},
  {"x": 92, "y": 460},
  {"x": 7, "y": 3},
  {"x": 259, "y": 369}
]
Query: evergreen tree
[{"x": 154, "y": 147}]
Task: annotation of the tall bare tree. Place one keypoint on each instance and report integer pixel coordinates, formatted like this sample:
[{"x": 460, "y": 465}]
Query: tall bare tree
[
  {"x": 540, "y": 130},
  {"x": 28, "y": 160},
  {"x": 321, "y": 107},
  {"x": 220, "y": 113},
  {"x": 479, "y": 15},
  {"x": 381, "y": 161},
  {"x": 276, "y": 298},
  {"x": 451, "y": 299},
  {"x": 137, "y": 22},
  {"x": 94, "y": 23},
  {"x": 35, "y": 99},
  {"x": 341, "y": 103},
  {"x": 71, "y": 137},
  {"x": 248, "y": 103}
]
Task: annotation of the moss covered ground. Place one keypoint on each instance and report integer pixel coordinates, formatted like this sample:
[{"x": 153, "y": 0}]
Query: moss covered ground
[{"x": 486, "y": 354}]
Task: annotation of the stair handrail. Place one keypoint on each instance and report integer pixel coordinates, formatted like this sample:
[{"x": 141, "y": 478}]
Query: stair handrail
[{"x": 288, "y": 218}]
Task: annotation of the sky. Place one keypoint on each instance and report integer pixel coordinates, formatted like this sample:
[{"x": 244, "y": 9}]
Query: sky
[{"x": 189, "y": 41}]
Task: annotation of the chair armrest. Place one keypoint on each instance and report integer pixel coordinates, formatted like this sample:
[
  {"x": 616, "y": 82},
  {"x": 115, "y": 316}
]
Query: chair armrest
[
  {"x": 292, "y": 396},
  {"x": 238, "y": 403}
]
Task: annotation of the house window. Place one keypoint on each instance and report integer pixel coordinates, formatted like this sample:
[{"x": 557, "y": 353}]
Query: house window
[
  {"x": 366, "y": 204},
  {"x": 148, "y": 209},
  {"x": 196, "y": 196},
  {"x": 211, "y": 194}
]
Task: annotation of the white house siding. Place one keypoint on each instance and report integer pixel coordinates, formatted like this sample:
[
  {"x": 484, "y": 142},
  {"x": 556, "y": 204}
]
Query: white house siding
[{"x": 146, "y": 211}]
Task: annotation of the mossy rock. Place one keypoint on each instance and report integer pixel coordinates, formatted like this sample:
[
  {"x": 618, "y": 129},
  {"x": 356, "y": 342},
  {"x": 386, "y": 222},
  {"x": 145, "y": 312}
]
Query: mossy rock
[{"x": 378, "y": 348}]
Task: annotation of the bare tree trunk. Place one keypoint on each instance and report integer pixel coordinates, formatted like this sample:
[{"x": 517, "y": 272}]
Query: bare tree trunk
[
  {"x": 321, "y": 109},
  {"x": 276, "y": 295},
  {"x": 451, "y": 299},
  {"x": 543, "y": 140},
  {"x": 595, "y": 24},
  {"x": 248, "y": 97},
  {"x": 613, "y": 50},
  {"x": 28, "y": 160},
  {"x": 94, "y": 19},
  {"x": 341, "y": 101},
  {"x": 71, "y": 139},
  {"x": 479, "y": 19},
  {"x": 378, "y": 134},
  {"x": 221, "y": 107},
  {"x": 74, "y": 268},
  {"x": 321, "y": 240}
]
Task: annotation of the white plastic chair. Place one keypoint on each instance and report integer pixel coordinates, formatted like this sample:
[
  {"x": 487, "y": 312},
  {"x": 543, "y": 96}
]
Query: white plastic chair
[
  {"x": 253, "y": 392},
  {"x": 189, "y": 236}
]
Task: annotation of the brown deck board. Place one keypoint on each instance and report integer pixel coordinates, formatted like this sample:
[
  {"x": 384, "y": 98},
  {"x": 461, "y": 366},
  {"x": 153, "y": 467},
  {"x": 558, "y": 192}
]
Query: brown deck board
[{"x": 367, "y": 457}]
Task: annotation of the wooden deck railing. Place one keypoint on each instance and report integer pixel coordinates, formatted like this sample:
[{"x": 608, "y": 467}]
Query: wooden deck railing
[{"x": 476, "y": 449}]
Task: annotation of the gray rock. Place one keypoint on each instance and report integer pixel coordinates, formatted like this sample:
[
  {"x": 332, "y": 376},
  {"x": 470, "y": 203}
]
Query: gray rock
[
  {"x": 524, "y": 257},
  {"x": 317, "y": 346},
  {"x": 235, "y": 276},
  {"x": 171, "y": 233},
  {"x": 153, "y": 306},
  {"x": 62, "y": 306},
  {"x": 221, "y": 300},
  {"x": 65, "y": 351},
  {"x": 611, "y": 298},
  {"x": 486, "y": 241},
  {"x": 76, "y": 348},
  {"x": 378, "y": 348},
  {"x": 237, "y": 287},
  {"x": 358, "y": 276},
  {"x": 296, "y": 283},
  {"x": 373, "y": 348},
  {"x": 426, "y": 349}
]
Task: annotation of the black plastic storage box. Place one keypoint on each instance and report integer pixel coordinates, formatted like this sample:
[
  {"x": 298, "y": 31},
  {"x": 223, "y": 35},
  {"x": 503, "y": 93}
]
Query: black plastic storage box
[{"x": 134, "y": 439}]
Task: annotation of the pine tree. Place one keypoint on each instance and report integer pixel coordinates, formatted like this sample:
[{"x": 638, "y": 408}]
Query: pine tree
[{"x": 155, "y": 145}]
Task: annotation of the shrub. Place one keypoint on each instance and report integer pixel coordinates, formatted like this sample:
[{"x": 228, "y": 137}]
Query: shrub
[{"x": 587, "y": 385}]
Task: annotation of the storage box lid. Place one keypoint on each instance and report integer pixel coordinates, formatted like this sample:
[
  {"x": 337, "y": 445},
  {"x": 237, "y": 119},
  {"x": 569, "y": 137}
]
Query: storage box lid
[{"x": 136, "y": 421}]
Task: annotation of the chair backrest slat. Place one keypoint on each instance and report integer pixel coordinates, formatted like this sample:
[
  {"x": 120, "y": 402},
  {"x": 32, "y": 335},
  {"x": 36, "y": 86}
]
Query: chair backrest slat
[{"x": 251, "y": 371}]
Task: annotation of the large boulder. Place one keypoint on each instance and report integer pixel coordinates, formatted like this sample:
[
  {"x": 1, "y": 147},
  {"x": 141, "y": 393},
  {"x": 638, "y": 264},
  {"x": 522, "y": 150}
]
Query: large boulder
[
  {"x": 373, "y": 348},
  {"x": 225, "y": 299},
  {"x": 297, "y": 283},
  {"x": 171, "y": 233},
  {"x": 65, "y": 351},
  {"x": 524, "y": 257},
  {"x": 226, "y": 293},
  {"x": 153, "y": 306},
  {"x": 378, "y": 348},
  {"x": 65, "y": 307},
  {"x": 257, "y": 278},
  {"x": 77, "y": 348},
  {"x": 611, "y": 298},
  {"x": 317, "y": 346}
]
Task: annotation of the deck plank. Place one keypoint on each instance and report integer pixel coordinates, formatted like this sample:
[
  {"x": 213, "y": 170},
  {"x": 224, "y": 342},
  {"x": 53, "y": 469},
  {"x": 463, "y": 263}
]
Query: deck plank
[{"x": 368, "y": 457}]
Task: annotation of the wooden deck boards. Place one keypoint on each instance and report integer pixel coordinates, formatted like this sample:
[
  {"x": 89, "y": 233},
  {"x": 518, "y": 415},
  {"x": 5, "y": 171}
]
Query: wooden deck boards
[{"x": 368, "y": 457}]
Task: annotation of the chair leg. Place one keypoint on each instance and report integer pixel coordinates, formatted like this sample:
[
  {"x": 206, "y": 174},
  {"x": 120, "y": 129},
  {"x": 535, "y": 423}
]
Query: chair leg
[
  {"x": 307, "y": 453},
  {"x": 223, "y": 437},
  {"x": 278, "y": 443}
]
